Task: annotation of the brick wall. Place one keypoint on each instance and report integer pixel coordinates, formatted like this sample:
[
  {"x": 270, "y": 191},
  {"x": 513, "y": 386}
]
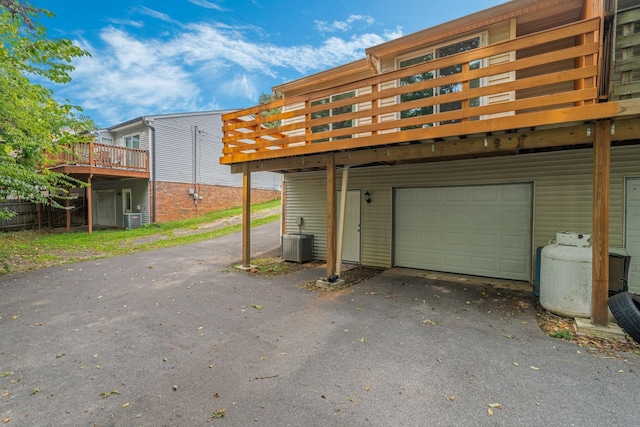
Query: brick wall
[{"x": 174, "y": 202}]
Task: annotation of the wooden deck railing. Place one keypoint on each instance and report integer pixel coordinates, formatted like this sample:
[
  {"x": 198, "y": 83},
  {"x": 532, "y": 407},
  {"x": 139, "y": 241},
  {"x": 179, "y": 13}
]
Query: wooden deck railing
[
  {"x": 104, "y": 156},
  {"x": 532, "y": 87}
]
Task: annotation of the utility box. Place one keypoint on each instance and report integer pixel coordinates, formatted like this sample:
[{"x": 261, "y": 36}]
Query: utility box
[
  {"x": 132, "y": 220},
  {"x": 619, "y": 260},
  {"x": 297, "y": 247}
]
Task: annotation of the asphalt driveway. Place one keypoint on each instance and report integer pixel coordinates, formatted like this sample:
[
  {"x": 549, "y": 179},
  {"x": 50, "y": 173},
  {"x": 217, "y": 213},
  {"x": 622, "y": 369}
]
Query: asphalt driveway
[{"x": 172, "y": 337}]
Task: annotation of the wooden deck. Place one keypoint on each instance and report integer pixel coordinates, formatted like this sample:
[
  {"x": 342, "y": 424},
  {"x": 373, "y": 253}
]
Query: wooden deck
[
  {"x": 535, "y": 88},
  {"x": 103, "y": 160}
]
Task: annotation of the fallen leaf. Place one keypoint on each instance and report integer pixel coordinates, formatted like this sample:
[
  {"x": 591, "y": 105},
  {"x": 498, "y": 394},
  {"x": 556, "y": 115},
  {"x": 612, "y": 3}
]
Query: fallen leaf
[
  {"x": 6, "y": 374},
  {"x": 218, "y": 414},
  {"x": 363, "y": 339},
  {"x": 515, "y": 364},
  {"x": 535, "y": 368},
  {"x": 6, "y": 420},
  {"x": 35, "y": 391},
  {"x": 125, "y": 405},
  {"x": 257, "y": 306},
  {"x": 490, "y": 412},
  {"x": 367, "y": 389},
  {"x": 495, "y": 405},
  {"x": 106, "y": 394},
  {"x": 58, "y": 356},
  {"x": 452, "y": 397}
]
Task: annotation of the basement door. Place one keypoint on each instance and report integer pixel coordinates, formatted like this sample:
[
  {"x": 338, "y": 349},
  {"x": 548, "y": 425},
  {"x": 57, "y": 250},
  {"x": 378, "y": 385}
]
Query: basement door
[
  {"x": 482, "y": 230},
  {"x": 632, "y": 232},
  {"x": 351, "y": 239}
]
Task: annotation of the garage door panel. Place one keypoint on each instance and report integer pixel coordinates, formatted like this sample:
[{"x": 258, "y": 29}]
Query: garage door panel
[
  {"x": 483, "y": 240},
  {"x": 455, "y": 194},
  {"x": 455, "y": 239},
  {"x": 433, "y": 238},
  {"x": 429, "y": 258},
  {"x": 482, "y": 265},
  {"x": 515, "y": 267},
  {"x": 456, "y": 262},
  {"x": 514, "y": 194},
  {"x": 483, "y": 194},
  {"x": 429, "y": 195},
  {"x": 455, "y": 215},
  {"x": 514, "y": 241},
  {"x": 517, "y": 217},
  {"x": 482, "y": 230}
]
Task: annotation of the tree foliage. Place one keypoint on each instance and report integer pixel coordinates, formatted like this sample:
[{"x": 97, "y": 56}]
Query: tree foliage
[
  {"x": 34, "y": 127},
  {"x": 267, "y": 98}
]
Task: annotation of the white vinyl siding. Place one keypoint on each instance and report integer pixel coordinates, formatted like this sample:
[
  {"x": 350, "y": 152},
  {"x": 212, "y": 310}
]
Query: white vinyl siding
[
  {"x": 188, "y": 148},
  {"x": 563, "y": 183}
]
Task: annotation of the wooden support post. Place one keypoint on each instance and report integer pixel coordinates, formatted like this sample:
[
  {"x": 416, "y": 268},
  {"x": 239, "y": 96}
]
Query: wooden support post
[
  {"x": 600, "y": 234},
  {"x": 246, "y": 216},
  {"x": 39, "y": 216},
  {"x": 331, "y": 215},
  {"x": 68, "y": 212},
  {"x": 89, "y": 207}
]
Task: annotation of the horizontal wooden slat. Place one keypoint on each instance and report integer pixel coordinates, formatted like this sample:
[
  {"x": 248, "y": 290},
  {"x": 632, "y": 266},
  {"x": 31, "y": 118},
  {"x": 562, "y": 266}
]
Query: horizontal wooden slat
[
  {"x": 629, "y": 16},
  {"x": 627, "y": 41},
  {"x": 626, "y": 88}
]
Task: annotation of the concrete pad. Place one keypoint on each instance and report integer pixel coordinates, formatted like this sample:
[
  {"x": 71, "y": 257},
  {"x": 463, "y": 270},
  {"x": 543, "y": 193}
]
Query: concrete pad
[
  {"x": 612, "y": 331},
  {"x": 462, "y": 279},
  {"x": 244, "y": 267},
  {"x": 322, "y": 283}
]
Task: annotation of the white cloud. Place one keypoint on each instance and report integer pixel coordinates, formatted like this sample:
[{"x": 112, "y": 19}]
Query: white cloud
[
  {"x": 128, "y": 22},
  {"x": 208, "y": 5},
  {"x": 325, "y": 27},
  {"x": 129, "y": 75},
  {"x": 155, "y": 14},
  {"x": 241, "y": 85}
]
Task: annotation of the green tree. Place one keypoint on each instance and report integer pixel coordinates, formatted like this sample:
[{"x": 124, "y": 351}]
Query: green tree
[
  {"x": 267, "y": 98},
  {"x": 34, "y": 127}
]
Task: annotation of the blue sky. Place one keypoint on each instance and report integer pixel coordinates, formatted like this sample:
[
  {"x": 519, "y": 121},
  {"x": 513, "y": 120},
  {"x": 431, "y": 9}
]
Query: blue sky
[{"x": 169, "y": 56}]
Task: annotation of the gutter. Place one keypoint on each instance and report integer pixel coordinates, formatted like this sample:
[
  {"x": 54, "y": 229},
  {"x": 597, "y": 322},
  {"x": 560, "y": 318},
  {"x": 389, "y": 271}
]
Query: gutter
[{"x": 153, "y": 167}]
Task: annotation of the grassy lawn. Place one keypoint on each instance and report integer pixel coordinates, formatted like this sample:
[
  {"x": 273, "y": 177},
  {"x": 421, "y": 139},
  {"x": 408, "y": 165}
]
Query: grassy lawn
[{"x": 33, "y": 249}]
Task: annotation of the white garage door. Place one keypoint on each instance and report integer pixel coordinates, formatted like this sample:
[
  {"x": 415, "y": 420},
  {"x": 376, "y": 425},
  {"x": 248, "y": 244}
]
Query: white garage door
[
  {"x": 632, "y": 238},
  {"x": 482, "y": 230}
]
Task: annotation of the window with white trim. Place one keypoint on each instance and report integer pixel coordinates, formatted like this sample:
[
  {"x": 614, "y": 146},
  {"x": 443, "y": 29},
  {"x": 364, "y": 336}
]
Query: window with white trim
[
  {"x": 334, "y": 112},
  {"x": 430, "y": 54},
  {"x": 132, "y": 141}
]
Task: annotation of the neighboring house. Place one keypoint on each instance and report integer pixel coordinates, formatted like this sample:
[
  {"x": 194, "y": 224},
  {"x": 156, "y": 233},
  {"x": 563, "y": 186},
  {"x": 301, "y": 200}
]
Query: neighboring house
[
  {"x": 467, "y": 145},
  {"x": 160, "y": 168}
]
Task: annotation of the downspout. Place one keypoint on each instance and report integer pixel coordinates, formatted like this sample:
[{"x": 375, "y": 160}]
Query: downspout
[
  {"x": 153, "y": 168},
  {"x": 343, "y": 208}
]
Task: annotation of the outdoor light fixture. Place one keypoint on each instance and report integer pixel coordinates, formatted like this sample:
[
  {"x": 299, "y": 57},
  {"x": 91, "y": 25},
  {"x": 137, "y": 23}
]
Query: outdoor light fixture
[{"x": 367, "y": 197}]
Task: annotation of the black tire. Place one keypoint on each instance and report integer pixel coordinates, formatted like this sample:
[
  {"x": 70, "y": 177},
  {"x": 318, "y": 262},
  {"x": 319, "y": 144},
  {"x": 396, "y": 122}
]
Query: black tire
[{"x": 626, "y": 309}]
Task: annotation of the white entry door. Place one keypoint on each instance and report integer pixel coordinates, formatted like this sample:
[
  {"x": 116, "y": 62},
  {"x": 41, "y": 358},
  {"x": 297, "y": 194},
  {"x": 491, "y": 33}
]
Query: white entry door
[
  {"x": 632, "y": 232},
  {"x": 483, "y": 230},
  {"x": 351, "y": 239}
]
